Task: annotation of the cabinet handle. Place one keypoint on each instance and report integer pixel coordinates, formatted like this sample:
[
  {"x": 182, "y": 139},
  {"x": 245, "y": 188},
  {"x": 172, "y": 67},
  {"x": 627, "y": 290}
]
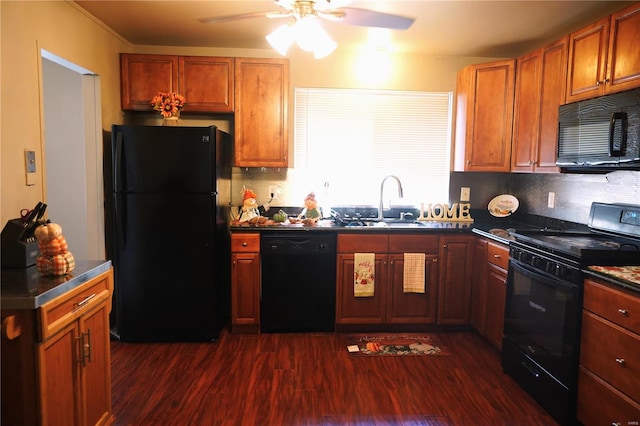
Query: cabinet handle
[
  {"x": 620, "y": 361},
  {"x": 623, "y": 312},
  {"x": 244, "y": 244},
  {"x": 616, "y": 424},
  {"x": 85, "y": 348},
  {"x": 497, "y": 256},
  {"x": 598, "y": 83},
  {"x": 84, "y": 301}
]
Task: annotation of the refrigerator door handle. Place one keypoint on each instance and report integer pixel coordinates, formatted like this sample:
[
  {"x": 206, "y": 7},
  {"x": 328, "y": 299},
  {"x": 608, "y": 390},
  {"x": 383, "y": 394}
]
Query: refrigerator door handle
[
  {"x": 120, "y": 218},
  {"x": 117, "y": 164}
]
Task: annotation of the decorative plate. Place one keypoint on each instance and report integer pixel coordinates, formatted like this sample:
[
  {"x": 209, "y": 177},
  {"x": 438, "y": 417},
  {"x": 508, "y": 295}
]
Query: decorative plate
[{"x": 503, "y": 205}]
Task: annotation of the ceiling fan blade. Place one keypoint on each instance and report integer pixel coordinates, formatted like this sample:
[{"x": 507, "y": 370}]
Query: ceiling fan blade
[
  {"x": 229, "y": 18},
  {"x": 370, "y": 18}
]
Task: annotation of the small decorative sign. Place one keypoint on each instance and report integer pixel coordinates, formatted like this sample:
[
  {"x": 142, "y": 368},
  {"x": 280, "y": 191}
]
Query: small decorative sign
[{"x": 456, "y": 212}]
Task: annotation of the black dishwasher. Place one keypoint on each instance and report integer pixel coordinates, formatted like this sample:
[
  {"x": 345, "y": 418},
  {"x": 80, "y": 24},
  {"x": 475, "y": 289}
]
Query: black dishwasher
[{"x": 298, "y": 281}]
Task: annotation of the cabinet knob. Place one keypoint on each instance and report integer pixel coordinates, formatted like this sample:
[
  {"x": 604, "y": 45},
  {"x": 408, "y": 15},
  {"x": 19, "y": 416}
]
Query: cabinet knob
[
  {"x": 620, "y": 361},
  {"x": 598, "y": 83},
  {"x": 244, "y": 244},
  {"x": 497, "y": 256},
  {"x": 623, "y": 312}
]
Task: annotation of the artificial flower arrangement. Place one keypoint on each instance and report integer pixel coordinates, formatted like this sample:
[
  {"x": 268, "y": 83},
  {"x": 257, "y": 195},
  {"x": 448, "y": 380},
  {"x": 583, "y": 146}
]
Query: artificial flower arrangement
[{"x": 169, "y": 104}]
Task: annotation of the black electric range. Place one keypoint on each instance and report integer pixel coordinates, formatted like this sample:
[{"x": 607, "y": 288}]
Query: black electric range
[
  {"x": 612, "y": 238},
  {"x": 542, "y": 324}
]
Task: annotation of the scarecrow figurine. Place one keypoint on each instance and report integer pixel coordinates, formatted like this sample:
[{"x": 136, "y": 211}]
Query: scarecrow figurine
[
  {"x": 249, "y": 208},
  {"x": 311, "y": 209}
]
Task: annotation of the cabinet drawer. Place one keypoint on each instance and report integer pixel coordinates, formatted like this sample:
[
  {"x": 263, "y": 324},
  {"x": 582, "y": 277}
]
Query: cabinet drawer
[
  {"x": 59, "y": 312},
  {"x": 413, "y": 243},
  {"x": 498, "y": 255},
  {"x": 612, "y": 304},
  {"x": 355, "y": 243},
  {"x": 600, "y": 404},
  {"x": 611, "y": 352},
  {"x": 247, "y": 243}
]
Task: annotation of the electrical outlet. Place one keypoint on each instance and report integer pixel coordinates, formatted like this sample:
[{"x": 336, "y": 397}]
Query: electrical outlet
[
  {"x": 551, "y": 201},
  {"x": 273, "y": 191},
  {"x": 465, "y": 193}
]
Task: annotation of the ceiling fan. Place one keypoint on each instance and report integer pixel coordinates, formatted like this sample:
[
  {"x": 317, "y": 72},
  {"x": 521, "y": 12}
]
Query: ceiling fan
[
  {"x": 306, "y": 30},
  {"x": 333, "y": 10}
]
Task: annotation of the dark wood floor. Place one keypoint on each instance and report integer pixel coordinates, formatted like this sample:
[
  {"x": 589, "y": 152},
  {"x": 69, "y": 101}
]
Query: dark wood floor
[{"x": 310, "y": 379}]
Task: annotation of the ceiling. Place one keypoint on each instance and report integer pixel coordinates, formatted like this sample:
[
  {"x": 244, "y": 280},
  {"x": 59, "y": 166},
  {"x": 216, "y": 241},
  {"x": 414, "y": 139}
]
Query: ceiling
[{"x": 441, "y": 28}]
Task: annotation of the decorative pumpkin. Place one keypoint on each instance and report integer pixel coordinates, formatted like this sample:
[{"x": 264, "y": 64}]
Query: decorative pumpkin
[
  {"x": 51, "y": 248},
  {"x": 54, "y": 259},
  {"x": 59, "y": 264},
  {"x": 47, "y": 232}
]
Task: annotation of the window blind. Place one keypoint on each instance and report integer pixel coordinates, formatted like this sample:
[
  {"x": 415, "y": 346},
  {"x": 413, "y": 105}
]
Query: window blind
[{"x": 347, "y": 140}]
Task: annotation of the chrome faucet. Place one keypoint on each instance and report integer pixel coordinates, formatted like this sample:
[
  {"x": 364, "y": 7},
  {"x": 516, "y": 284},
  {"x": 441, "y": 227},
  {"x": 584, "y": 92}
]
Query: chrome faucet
[{"x": 380, "y": 215}]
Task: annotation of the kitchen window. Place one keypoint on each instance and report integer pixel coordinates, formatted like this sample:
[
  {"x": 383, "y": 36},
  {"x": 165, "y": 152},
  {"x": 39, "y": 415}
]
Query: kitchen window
[{"x": 348, "y": 140}]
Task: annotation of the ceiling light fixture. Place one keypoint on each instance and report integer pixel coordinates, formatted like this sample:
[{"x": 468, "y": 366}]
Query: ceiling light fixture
[{"x": 306, "y": 31}]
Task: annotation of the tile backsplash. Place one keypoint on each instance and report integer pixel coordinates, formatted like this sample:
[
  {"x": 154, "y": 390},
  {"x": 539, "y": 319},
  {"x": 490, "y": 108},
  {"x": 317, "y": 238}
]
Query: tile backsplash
[{"x": 574, "y": 193}]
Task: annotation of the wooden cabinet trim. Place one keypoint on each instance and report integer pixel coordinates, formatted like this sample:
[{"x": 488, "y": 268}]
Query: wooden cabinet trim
[{"x": 358, "y": 243}]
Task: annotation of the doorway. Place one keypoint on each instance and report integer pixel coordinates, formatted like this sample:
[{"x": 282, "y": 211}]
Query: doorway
[{"x": 72, "y": 152}]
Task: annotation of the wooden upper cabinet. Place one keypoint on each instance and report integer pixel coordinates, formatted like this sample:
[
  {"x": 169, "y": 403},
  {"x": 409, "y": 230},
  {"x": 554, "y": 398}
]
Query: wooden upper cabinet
[
  {"x": 623, "y": 65},
  {"x": 540, "y": 90},
  {"x": 484, "y": 117},
  {"x": 261, "y": 119},
  {"x": 206, "y": 82},
  {"x": 143, "y": 76},
  {"x": 603, "y": 56}
]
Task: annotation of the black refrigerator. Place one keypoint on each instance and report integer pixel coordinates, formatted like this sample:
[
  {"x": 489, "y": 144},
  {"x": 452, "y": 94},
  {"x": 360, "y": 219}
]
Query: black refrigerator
[{"x": 168, "y": 192}]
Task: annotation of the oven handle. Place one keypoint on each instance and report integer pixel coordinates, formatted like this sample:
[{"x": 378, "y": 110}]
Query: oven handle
[{"x": 544, "y": 277}]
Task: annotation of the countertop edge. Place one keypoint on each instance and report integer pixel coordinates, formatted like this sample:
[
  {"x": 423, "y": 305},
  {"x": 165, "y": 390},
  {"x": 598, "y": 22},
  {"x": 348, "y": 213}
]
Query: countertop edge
[{"x": 90, "y": 269}]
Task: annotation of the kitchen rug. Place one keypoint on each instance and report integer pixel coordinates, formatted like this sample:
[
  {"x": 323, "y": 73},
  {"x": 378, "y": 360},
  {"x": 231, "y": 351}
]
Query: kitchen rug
[{"x": 395, "y": 344}]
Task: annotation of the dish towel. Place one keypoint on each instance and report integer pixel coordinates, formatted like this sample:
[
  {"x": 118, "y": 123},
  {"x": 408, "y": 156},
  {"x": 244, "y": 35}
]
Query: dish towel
[
  {"x": 413, "y": 274},
  {"x": 364, "y": 267}
]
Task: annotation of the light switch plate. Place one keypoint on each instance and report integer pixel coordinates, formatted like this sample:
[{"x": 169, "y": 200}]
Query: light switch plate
[
  {"x": 465, "y": 193},
  {"x": 30, "y": 161},
  {"x": 551, "y": 201}
]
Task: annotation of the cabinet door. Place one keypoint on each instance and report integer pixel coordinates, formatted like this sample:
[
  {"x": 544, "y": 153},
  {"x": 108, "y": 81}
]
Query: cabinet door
[
  {"x": 495, "y": 300},
  {"x": 261, "y": 98},
  {"x": 479, "y": 285},
  {"x": 143, "y": 76},
  {"x": 485, "y": 117},
  {"x": 587, "y": 61},
  {"x": 207, "y": 83},
  {"x": 60, "y": 391},
  {"x": 454, "y": 292},
  {"x": 623, "y": 63},
  {"x": 552, "y": 95},
  {"x": 96, "y": 365},
  {"x": 526, "y": 111},
  {"x": 360, "y": 310},
  {"x": 412, "y": 308},
  {"x": 245, "y": 292}
]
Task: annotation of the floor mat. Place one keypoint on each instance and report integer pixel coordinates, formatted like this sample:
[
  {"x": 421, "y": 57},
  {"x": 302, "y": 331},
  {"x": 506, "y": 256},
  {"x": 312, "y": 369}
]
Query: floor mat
[{"x": 395, "y": 344}]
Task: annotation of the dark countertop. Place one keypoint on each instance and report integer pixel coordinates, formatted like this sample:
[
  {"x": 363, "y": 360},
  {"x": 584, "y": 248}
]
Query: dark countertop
[
  {"x": 615, "y": 279},
  {"x": 28, "y": 289}
]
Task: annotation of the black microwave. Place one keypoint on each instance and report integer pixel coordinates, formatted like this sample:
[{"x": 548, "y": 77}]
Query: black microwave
[{"x": 600, "y": 134}]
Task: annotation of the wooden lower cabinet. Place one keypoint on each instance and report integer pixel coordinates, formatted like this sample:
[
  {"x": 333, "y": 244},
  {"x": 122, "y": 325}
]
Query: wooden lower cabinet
[
  {"x": 454, "y": 290},
  {"x": 61, "y": 363},
  {"x": 245, "y": 282},
  {"x": 489, "y": 289},
  {"x": 390, "y": 304},
  {"x": 609, "y": 375}
]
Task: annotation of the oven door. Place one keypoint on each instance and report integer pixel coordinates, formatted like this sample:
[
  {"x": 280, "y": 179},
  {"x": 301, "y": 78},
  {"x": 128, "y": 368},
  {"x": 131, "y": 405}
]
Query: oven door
[{"x": 542, "y": 319}]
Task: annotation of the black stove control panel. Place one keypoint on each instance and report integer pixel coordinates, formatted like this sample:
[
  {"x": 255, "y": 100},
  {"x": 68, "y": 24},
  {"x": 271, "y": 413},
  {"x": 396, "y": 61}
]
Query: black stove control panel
[{"x": 541, "y": 262}]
